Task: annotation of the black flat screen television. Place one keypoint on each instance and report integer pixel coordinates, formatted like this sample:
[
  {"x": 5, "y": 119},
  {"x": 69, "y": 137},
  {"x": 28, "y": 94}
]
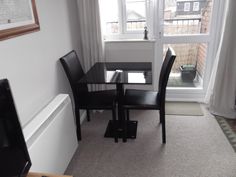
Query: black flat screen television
[{"x": 14, "y": 156}]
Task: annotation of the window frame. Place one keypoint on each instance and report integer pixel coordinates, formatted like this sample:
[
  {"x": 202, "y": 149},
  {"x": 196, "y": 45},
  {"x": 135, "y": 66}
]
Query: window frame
[{"x": 123, "y": 33}]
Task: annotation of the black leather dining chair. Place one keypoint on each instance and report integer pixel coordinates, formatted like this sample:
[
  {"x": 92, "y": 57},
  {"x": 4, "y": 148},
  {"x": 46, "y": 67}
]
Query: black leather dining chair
[
  {"x": 152, "y": 100},
  {"x": 84, "y": 99}
]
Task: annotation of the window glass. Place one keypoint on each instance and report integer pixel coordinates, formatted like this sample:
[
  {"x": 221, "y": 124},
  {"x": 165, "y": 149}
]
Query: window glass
[
  {"x": 189, "y": 66},
  {"x": 135, "y": 14},
  {"x": 110, "y": 16},
  {"x": 187, "y": 6},
  {"x": 196, "y": 6}
]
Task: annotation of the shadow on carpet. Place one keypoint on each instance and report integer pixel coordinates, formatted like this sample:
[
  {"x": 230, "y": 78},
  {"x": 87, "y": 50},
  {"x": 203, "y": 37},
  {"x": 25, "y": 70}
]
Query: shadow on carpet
[{"x": 229, "y": 128}]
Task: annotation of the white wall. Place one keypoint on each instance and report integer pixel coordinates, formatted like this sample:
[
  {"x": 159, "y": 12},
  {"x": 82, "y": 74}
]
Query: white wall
[
  {"x": 30, "y": 62},
  {"x": 129, "y": 51}
]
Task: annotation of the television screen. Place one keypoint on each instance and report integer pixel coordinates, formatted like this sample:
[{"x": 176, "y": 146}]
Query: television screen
[{"x": 14, "y": 156}]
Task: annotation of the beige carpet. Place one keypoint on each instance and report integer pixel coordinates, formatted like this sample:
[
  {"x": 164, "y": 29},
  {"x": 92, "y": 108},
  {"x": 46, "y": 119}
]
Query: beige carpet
[
  {"x": 196, "y": 147},
  {"x": 184, "y": 108}
]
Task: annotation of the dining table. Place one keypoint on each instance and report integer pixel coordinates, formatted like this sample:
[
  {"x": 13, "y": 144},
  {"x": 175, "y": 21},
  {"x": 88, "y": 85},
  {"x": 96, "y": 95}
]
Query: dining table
[{"x": 120, "y": 74}]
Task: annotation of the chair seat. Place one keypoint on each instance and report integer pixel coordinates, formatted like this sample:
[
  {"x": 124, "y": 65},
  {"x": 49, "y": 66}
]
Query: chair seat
[
  {"x": 141, "y": 99},
  {"x": 104, "y": 99},
  {"x": 144, "y": 99}
]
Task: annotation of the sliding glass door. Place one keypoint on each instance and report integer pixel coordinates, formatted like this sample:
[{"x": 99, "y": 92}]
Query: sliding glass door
[{"x": 188, "y": 27}]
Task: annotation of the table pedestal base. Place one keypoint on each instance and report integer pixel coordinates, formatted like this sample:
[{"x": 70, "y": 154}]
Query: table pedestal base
[{"x": 131, "y": 130}]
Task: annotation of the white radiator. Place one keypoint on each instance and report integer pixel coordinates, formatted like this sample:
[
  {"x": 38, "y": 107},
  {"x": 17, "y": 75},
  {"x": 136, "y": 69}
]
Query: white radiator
[{"x": 51, "y": 136}]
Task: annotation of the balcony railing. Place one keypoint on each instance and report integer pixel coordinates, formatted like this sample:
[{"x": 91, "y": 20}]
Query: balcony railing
[
  {"x": 172, "y": 26},
  {"x": 132, "y": 25},
  {"x": 182, "y": 26}
]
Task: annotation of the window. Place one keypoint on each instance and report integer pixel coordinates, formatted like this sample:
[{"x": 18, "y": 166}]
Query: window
[
  {"x": 110, "y": 16},
  {"x": 196, "y": 6},
  {"x": 187, "y": 6},
  {"x": 135, "y": 15},
  {"x": 177, "y": 22},
  {"x": 125, "y": 18}
]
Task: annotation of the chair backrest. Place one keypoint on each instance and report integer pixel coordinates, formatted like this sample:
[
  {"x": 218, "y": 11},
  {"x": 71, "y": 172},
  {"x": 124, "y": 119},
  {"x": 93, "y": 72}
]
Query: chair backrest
[
  {"x": 74, "y": 72},
  {"x": 164, "y": 75}
]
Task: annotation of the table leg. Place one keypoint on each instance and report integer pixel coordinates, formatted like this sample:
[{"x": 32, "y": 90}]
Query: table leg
[
  {"x": 121, "y": 114},
  {"x": 126, "y": 128}
]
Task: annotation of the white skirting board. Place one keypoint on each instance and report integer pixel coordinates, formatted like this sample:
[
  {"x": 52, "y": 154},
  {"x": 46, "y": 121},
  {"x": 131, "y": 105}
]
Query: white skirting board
[{"x": 51, "y": 136}]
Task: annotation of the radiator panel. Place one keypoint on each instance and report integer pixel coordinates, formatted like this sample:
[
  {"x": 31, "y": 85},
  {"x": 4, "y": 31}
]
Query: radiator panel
[{"x": 53, "y": 143}]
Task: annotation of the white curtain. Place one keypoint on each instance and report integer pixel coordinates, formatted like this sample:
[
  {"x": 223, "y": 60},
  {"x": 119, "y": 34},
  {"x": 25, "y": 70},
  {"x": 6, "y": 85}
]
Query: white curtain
[
  {"x": 222, "y": 88},
  {"x": 91, "y": 43}
]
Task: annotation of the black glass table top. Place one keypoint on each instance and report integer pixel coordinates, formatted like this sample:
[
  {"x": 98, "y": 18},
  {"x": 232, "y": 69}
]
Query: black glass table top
[{"x": 119, "y": 72}]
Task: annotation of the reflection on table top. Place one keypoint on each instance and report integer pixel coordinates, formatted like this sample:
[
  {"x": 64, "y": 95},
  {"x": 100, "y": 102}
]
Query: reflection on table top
[{"x": 119, "y": 72}]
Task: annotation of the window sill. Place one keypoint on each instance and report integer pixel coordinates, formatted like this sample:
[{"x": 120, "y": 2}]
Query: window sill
[{"x": 129, "y": 40}]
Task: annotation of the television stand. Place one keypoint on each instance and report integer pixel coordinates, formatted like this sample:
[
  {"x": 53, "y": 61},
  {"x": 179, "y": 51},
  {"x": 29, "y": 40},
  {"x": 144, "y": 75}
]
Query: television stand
[{"x": 31, "y": 174}]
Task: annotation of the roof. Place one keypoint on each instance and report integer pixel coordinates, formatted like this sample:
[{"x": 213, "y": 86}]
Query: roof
[{"x": 134, "y": 15}]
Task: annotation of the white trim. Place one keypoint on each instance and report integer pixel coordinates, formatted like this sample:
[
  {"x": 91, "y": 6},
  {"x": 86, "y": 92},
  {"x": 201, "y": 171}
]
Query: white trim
[
  {"x": 129, "y": 40},
  {"x": 124, "y": 36},
  {"x": 157, "y": 60},
  {"x": 122, "y": 16}
]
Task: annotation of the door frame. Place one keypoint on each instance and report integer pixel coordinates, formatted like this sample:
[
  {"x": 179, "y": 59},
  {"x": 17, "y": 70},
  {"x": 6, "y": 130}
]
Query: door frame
[{"x": 212, "y": 39}]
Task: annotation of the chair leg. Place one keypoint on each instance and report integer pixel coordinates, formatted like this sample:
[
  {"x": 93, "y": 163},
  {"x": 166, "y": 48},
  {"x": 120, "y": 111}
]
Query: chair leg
[
  {"x": 78, "y": 128},
  {"x": 114, "y": 125},
  {"x": 88, "y": 115},
  {"x": 160, "y": 117},
  {"x": 127, "y": 114},
  {"x": 163, "y": 123},
  {"x": 124, "y": 123}
]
